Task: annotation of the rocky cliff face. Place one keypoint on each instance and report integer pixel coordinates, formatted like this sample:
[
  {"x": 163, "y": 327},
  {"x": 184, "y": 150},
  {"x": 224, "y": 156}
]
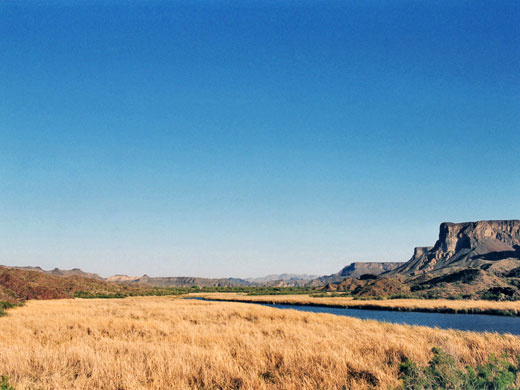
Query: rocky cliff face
[
  {"x": 355, "y": 270},
  {"x": 468, "y": 244}
]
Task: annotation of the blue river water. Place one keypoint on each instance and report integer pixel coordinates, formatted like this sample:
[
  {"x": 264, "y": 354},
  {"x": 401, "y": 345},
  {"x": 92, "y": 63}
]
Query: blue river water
[{"x": 470, "y": 322}]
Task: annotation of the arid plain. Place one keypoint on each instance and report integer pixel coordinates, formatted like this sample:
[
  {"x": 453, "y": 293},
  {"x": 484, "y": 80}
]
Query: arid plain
[{"x": 174, "y": 343}]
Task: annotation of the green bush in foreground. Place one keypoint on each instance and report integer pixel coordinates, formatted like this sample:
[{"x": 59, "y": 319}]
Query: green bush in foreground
[
  {"x": 3, "y": 306},
  {"x": 442, "y": 372},
  {"x": 4, "y": 383}
]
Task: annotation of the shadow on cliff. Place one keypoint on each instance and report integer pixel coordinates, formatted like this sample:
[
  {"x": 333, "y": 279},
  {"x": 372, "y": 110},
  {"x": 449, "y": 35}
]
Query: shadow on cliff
[{"x": 499, "y": 255}]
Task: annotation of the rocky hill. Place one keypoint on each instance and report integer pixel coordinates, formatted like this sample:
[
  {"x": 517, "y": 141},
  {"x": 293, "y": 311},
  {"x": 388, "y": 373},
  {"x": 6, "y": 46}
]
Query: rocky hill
[
  {"x": 355, "y": 270},
  {"x": 481, "y": 244},
  {"x": 471, "y": 259},
  {"x": 22, "y": 284},
  {"x": 60, "y": 272}
]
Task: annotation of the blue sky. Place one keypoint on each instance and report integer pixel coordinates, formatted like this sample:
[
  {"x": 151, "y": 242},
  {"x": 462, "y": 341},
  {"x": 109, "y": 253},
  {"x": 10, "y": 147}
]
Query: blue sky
[{"x": 241, "y": 138}]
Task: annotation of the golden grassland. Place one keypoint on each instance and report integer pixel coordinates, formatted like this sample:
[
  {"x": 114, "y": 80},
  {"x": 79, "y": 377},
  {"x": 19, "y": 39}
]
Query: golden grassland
[
  {"x": 426, "y": 305},
  {"x": 171, "y": 343}
]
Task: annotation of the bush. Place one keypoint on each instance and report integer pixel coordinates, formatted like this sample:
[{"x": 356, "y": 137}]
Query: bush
[
  {"x": 330, "y": 295},
  {"x": 6, "y": 305},
  {"x": 442, "y": 372},
  {"x": 4, "y": 383},
  {"x": 88, "y": 295},
  {"x": 368, "y": 277},
  {"x": 501, "y": 294}
]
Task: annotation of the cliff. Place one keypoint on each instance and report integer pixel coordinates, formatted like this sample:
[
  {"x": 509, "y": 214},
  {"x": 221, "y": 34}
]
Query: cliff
[
  {"x": 467, "y": 245},
  {"x": 355, "y": 270}
]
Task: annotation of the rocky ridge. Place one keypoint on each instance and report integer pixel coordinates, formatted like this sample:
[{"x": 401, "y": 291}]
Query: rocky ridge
[
  {"x": 177, "y": 281},
  {"x": 469, "y": 260},
  {"x": 59, "y": 272},
  {"x": 478, "y": 244}
]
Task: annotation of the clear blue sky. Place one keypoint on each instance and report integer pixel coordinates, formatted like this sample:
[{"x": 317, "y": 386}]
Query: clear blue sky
[{"x": 241, "y": 138}]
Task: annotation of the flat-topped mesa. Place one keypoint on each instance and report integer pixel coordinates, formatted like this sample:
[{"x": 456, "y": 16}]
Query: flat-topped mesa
[
  {"x": 467, "y": 244},
  {"x": 357, "y": 269},
  {"x": 456, "y": 236}
]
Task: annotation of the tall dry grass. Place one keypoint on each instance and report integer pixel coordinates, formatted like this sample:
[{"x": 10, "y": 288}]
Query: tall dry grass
[
  {"x": 432, "y": 305},
  {"x": 168, "y": 343}
]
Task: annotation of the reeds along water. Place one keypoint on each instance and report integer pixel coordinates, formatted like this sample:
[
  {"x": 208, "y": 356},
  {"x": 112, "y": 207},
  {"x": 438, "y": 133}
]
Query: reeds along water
[
  {"x": 169, "y": 343},
  {"x": 506, "y": 308}
]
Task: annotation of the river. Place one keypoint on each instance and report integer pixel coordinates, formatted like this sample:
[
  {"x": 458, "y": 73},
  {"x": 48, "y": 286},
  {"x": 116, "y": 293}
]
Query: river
[{"x": 470, "y": 322}]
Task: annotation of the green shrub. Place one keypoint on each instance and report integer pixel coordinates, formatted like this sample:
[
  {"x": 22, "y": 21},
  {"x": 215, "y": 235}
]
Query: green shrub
[
  {"x": 7, "y": 305},
  {"x": 443, "y": 372},
  {"x": 89, "y": 295},
  {"x": 4, "y": 383},
  {"x": 500, "y": 294},
  {"x": 330, "y": 295}
]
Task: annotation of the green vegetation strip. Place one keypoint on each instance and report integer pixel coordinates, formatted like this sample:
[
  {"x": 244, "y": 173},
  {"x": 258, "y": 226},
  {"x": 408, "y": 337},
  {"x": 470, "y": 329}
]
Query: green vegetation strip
[{"x": 162, "y": 291}]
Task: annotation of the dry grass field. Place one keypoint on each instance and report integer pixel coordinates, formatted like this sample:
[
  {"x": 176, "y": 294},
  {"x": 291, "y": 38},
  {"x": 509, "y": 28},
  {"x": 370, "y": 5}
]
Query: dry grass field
[
  {"x": 428, "y": 305},
  {"x": 171, "y": 343}
]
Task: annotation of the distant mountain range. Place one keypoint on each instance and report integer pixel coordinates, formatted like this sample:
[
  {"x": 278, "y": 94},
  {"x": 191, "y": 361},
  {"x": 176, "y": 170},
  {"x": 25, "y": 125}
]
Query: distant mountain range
[
  {"x": 356, "y": 270},
  {"x": 60, "y": 272},
  {"x": 185, "y": 281},
  {"x": 274, "y": 280},
  {"x": 282, "y": 277},
  {"x": 471, "y": 259},
  {"x": 178, "y": 281}
]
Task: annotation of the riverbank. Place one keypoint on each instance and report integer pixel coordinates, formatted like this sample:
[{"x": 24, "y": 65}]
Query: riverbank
[
  {"x": 420, "y": 305},
  {"x": 152, "y": 343}
]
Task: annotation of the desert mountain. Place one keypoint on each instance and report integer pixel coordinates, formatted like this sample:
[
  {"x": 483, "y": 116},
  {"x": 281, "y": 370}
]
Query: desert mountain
[
  {"x": 60, "y": 272},
  {"x": 481, "y": 244},
  {"x": 282, "y": 277},
  {"x": 355, "y": 270},
  {"x": 469, "y": 260},
  {"x": 275, "y": 280},
  {"x": 178, "y": 281},
  {"x": 18, "y": 284}
]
